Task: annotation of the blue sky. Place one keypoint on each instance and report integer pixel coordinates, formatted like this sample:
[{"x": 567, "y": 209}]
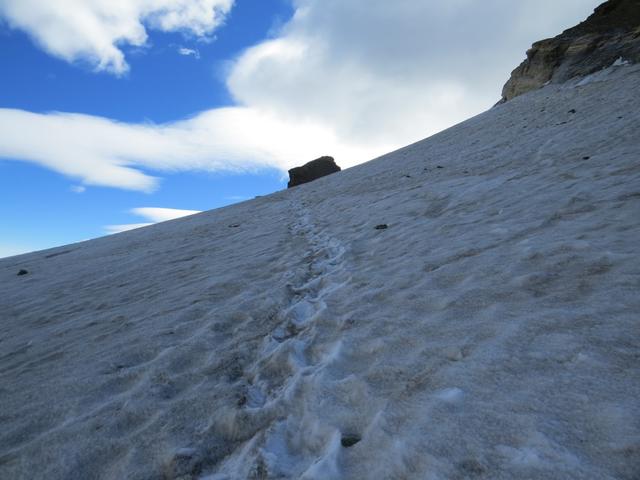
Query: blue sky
[
  {"x": 40, "y": 208},
  {"x": 196, "y": 104}
]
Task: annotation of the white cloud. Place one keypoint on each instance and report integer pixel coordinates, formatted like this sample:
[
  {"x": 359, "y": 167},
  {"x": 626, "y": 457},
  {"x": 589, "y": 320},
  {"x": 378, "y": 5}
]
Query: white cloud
[
  {"x": 189, "y": 52},
  {"x": 350, "y": 79},
  {"x": 108, "y": 153},
  {"x": 153, "y": 214},
  {"x": 95, "y": 30},
  {"x": 396, "y": 71},
  {"x": 124, "y": 227},
  {"x": 78, "y": 188}
]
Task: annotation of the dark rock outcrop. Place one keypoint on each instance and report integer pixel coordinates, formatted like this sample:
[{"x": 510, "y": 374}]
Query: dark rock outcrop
[
  {"x": 310, "y": 171},
  {"x": 610, "y": 33}
]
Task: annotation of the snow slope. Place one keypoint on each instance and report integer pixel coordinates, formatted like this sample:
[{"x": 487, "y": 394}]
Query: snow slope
[{"x": 491, "y": 331}]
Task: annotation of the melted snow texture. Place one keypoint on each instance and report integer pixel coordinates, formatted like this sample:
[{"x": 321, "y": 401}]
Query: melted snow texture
[{"x": 491, "y": 331}]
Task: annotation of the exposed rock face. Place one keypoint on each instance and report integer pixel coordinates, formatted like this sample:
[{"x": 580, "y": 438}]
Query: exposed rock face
[
  {"x": 611, "y": 32},
  {"x": 310, "y": 171}
]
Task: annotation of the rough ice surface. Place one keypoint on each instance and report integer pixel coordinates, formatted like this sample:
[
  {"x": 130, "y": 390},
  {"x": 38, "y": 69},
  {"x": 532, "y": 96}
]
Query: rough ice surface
[{"x": 491, "y": 331}]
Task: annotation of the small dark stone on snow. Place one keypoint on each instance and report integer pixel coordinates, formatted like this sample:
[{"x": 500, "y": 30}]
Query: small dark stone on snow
[
  {"x": 22, "y": 272},
  {"x": 472, "y": 466},
  {"x": 439, "y": 166},
  {"x": 349, "y": 440},
  {"x": 382, "y": 226},
  {"x": 407, "y": 176},
  {"x": 234, "y": 225},
  {"x": 573, "y": 110},
  {"x": 586, "y": 158},
  {"x": 186, "y": 453}
]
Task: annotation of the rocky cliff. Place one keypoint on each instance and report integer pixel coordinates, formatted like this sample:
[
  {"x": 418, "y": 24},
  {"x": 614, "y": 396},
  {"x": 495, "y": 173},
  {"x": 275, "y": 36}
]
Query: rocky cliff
[{"x": 610, "y": 33}]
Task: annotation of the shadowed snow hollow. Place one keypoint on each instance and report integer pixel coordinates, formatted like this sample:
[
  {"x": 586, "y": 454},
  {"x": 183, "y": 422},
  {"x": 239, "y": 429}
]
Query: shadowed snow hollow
[{"x": 490, "y": 331}]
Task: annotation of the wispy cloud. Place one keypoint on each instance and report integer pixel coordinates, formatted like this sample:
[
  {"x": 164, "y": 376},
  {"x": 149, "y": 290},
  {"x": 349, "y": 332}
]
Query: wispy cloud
[
  {"x": 125, "y": 227},
  {"x": 94, "y": 30},
  {"x": 189, "y": 52},
  {"x": 78, "y": 188},
  {"x": 99, "y": 151},
  {"x": 153, "y": 215}
]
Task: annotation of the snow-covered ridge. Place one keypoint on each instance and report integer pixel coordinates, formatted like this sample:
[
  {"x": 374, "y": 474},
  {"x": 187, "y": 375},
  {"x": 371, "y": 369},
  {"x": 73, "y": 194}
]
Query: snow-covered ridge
[{"x": 491, "y": 331}]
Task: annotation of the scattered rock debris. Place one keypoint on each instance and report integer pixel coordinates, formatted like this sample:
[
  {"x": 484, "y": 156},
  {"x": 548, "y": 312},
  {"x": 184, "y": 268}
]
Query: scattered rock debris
[
  {"x": 573, "y": 110},
  {"x": 23, "y": 271},
  {"x": 349, "y": 440},
  {"x": 382, "y": 226},
  {"x": 439, "y": 166}
]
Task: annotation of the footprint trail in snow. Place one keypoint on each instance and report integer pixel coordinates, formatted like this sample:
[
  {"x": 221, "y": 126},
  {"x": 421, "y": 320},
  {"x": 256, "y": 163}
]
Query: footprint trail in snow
[{"x": 290, "y": 368}]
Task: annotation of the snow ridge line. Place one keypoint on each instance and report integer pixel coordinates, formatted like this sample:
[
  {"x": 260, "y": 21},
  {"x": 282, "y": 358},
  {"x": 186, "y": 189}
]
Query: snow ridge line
[{"x": 290, "y": 367}]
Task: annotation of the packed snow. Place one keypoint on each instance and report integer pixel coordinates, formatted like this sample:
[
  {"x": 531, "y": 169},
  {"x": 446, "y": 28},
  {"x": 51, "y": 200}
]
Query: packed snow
[{"x": 490, "y": 331}]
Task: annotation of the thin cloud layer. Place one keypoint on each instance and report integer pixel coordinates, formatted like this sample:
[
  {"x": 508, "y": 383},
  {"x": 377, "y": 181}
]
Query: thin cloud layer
[
  {"x": 157, "y": 214},
  {"x": 94, "y": 30},
  {"x": 349, "y": 79},
  {"x": 103, "y": 152},
  {"x": 110, "y": 229},
  {"x": 153, "y": 215}
]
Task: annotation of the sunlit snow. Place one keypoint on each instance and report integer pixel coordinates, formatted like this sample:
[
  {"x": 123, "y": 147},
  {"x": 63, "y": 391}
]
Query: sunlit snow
[{"x": 491, "y": 331}]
